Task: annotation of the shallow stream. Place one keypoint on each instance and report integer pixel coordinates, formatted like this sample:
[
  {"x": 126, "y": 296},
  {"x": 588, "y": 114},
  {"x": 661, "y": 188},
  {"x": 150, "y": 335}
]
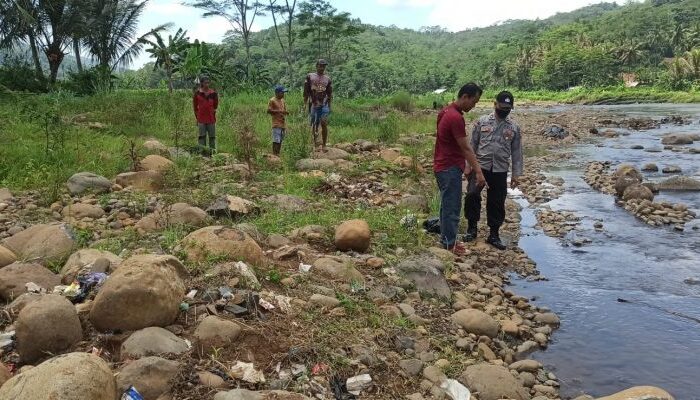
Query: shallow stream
[{"x": 603, "y": 345}]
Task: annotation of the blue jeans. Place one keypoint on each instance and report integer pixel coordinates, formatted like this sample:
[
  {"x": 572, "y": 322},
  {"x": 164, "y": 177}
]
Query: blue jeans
[
  {"x": 319, "y": 113},
  {"x": 449, "y": 182}
]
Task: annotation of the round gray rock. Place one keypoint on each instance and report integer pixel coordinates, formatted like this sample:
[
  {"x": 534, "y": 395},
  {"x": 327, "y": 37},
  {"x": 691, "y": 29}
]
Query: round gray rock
[
  {"x": 88, "y": 182},
  {"x": 152, "y": 341}
]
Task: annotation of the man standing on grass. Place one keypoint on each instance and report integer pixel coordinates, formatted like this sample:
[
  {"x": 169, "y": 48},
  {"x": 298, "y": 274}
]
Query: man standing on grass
[
  {"x": 318, "y": 95},
  {"x": 277, "y": 108},
  {"x": 497, "y": 141},
  {"x": 452, "y": 152},
  {"x": 205, "y": 102}
]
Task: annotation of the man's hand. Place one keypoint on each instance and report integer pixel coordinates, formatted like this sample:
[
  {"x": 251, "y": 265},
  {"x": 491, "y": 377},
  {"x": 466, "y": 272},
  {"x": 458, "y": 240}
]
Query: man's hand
[
  {"x": 480, "y": 180},
  {"x": 514, "y": 182}
]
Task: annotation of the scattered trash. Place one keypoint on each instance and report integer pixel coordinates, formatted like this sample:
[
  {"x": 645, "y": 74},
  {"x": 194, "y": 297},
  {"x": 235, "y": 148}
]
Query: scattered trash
[
  {"x": 96, "y": 352},
  {"x": 555, "y": 132},
  {"x": 456, "y": 390},
  {"x": 236, "y": 310},
  {"x": 131, "y": 394},
  {"x": 72, "y": 290},
  {"x": 299, "y": 370},
  {"x": 34, "y": 288},
  {"x": 304, "y": 268},
  {"x": 184, "y": 306},
  {"x": 225, "y": 292},
  {"x": 266, "y": 305},
  {"x": 432, "y": 225},
  {"x": 188, "y": 343},
  {"x": 319, "y": 369},
  {"x": 340, "y": 390},
  {"x": 358, "y": 383},
  {"x": 247, "y": 373},
  {"x": 7, "y": 339},
  {"x": 87, "y": 283},
  {"x": 191, "y": 294}
]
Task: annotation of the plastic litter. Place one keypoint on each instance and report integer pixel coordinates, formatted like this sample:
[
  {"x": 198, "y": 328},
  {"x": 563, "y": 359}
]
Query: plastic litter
[
  {"x": 247, "y": 373},
  {"x": 191, "y": 294},
  {"x": 225, "y": 292},
  {"x": 340, "y": 391},
  {"x": 304, "y": 268},
  {"x": 432, "y": 225},
  {"x": 87, "y": 284},
  {"x": 456, "y": 390},
  {"x": 184, "y": 306},
  {"x": 319, "y": 369},
  {"x": 72, "y": 290},
  {"x": 358, "y": 383},
  {"x": 266, "y": 305},
  {"x": 7, "y": 338},
  {"x": 132, "y": 394}
]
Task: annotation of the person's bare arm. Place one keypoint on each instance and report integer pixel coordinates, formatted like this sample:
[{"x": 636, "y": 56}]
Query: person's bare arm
[
  {"x": 329, "y": 93},
  {"x": 469, "y": 154},
  {"x": 307, "y": 91}
]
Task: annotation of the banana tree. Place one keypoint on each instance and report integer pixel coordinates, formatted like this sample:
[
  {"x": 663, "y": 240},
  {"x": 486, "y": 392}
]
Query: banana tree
[{"x": 168, "y": 56}]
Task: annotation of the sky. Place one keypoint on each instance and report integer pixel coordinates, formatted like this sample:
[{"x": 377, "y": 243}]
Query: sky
[{"x": 454, "y": 15}]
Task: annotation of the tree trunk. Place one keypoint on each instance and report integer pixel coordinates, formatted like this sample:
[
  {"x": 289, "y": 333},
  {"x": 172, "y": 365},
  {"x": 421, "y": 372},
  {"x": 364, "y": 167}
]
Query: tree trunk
[
  {"x": 76, "y": 50},
  {"x": 170, "y": 80},
  {"x": 35, "y": 56}
]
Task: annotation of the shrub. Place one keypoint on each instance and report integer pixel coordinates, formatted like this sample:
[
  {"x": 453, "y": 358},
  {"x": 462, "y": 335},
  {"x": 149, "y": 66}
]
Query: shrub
[
  {"x": 402, "y": 101},
  {"x": 18, "y": 75},
  {"x": 388, "y": 128}
]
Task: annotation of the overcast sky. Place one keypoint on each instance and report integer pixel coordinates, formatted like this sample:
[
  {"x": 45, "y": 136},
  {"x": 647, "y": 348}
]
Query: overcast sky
[{"x": 455, "y": 15}]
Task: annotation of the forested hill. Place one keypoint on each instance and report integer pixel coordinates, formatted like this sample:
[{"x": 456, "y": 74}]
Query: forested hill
[{"x": 592, "y": 46}]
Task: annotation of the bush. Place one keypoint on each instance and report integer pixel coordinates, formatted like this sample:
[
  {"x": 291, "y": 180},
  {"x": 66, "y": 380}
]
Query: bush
[
  {"x": 388, "y": 128},
  {"x": 402, "y": 101},
  {"x": 18, "y": 75},
  {"x": 88, "y": 82}
]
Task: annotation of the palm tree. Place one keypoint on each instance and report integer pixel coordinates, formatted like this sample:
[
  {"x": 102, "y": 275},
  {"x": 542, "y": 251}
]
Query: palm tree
[
  {"x": 629, "y": 52},
  {"x": 111, "y": 39},
  {"x": 691, "y": 63},
  {"x": 168, "y": 56},
  {"x": 19, "y": 25}
]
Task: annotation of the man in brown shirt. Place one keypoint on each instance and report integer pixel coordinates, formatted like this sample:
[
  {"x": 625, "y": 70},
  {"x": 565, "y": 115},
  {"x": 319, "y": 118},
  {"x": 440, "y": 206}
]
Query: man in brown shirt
[
  {"x": 278, "y": 109},
  {"x": 318, "y": 95}
]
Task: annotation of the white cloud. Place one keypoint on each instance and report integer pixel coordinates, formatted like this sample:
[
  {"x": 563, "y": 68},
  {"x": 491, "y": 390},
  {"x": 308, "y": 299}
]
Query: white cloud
[
  {"x": 210, "y": 30},
  {"x": 407, "y": 3},
  {"x": 167, "y": 8}
]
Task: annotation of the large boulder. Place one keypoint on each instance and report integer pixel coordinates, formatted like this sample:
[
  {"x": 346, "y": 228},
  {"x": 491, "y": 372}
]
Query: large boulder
[
  {"x": 638, "y": 192},
  {"x": 152, "y": 341},
  {"x": 88, "y": 260},
  {"x": 149, "y": 181},
  {"x": 310, "y": 164},
  {"x": 493, "y": 382},
  {"x": 88, "y": 182},
  {"x": 151, "y": 376},
  {"x": 244, "y": 394},
  {"x": 74, "y": 376},
  {"x": 353, "y": 235},
  {"x": 332, "y": 153},
  {"x": 47, "y": 326},
  {"x": 232, "y": 207},
  {"x": 287, "y": 202},
  {"x": 14, "y": 278},
  {"x": 82, "y": 210},
  {"x": 680, "y": 183},
  {"x": 678, "y": 139},
  {"x": 640, "y": 393},
  {"x": 7, "y": 257},
  {"x": 337, "y": 270},
  {"x": 44, "y": 243},
  {"x": 216, "y": 332},
  {"x": 173, "y": 215},
  {"x": 628, "y": 170},
  {"x": 156, "y": 163},
  {"x": 425, "y": 272},
  {"x": 219, "y": 241},
  {"x": 623, "y": 182},
  {"x": 146, "y": 290},
  {"x": 476, "y": 322}
]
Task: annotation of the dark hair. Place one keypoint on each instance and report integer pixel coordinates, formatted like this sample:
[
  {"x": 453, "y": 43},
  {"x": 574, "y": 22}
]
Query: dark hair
[{"x": 470, "y": 89}]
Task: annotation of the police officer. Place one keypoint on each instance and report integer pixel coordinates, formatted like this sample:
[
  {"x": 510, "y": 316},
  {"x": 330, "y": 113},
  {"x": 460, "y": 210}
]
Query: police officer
[{"x": 497, "y": 141}]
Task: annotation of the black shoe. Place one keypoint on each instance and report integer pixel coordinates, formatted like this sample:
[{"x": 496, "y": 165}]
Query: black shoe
[
  {"x": 495, "y": 241},
  {"x": 472, "y": 233}
]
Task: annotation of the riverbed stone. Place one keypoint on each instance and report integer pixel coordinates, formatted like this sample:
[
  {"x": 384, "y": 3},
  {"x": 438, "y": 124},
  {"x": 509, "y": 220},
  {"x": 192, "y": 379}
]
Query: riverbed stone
[
  {"x": 628, "y": 170},
  {"x": 310, "y": 164},
  {"x": 152, "y": 341},
  {"x": 232, "y": 244},
  {"x": 425, "y": 273},
  {"x": 88, "y": 260},
  {"x": 7, "y": 257},
  {"x": 151, "y": 376},
  {"x": 154, "y": 162},
  {"x": 82, "y": 210},
  {"x": 526, "y": 366},
  {"x": 353, "y": 235},
  {"x": 640, "y": 393},
  {"x": 651, "y": 167},
  {"x": 43, "y": 243},
  {"x": 493, "y": 382},
  {"x": 680, "y": 183},
  {"x": 638, "y": 192},
  {"x": 14, "y": 277},
  {"x": 677, "y": 139},
  {"x": 671, "y": 169},
  {"x": 214, "y": 331},
  {"x": 623, "y": 182},
  {"x": 335, "y": 269},
  {"x": 476, "y": 322},
  {"x": 547, "y": 318},
  {"x": 83, "y": 182},
  {"x": 245, "y": 394}
]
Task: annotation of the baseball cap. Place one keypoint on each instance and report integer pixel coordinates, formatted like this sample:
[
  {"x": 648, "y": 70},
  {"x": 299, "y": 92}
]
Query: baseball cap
[
  {"x": 322, "y": 62},
  {"x": 505, "y": 100},
  {"x": 280, "y": 88}
]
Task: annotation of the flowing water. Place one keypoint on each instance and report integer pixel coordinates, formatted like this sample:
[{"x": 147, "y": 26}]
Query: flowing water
[{"x": 603, "y": 345}]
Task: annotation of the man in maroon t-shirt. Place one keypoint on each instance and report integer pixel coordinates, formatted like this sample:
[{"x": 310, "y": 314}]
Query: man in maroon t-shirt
[
  {"x": 205, "y": 102},
  {"x": 452, "y": 152}
]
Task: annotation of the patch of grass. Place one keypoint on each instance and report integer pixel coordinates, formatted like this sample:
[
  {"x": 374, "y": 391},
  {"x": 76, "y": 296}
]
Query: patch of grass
[{"x": 403, "y": 101}]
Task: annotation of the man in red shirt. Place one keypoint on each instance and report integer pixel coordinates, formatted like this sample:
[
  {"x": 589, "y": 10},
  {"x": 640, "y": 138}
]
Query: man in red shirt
[
  {"x": 452, "y": 152},
  {"x": 205, "y": 102}
]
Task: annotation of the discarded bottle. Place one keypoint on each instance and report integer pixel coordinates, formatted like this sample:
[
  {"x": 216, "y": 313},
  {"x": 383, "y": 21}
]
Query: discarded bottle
[{"x": 132, "y": 394}]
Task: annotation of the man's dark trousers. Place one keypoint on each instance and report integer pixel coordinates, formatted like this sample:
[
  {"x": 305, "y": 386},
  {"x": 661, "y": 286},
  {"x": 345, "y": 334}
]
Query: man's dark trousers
[
  {"x": 449, "y": 182},
  {"x": 495, "y": 199}
]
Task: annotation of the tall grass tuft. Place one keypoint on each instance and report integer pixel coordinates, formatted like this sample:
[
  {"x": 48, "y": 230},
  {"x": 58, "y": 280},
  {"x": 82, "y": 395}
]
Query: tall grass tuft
[{"x": 403, "y": 101}]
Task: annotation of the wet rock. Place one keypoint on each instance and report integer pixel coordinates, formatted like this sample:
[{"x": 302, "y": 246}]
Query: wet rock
[
  {"x": 151, "y": 376},
  {"x": 82, "y": 210},
  {"x": 309, "y": 164},
  {"x": 526, "y": 366},
  {"x": 555, "y": 132},
  {"x": 476, "y": 322},
  {"x": 628, "y": 170},
  {"x": 156, "y": 163},
  {"x": 338, "y": 270},
  {"x": 47, "y": 326},
  {"x": 353, "y": 235},
  {"x": 148, "y": 290},
  {"x": 677, "y": 139},
  {"x": 672, "y": 169},
  {"x": 493, "y": 382},
  {"x": 244, "y": 394},
  {"x": 640, "y": 393},
  {"x": 547, "y": 318},
  {"x": 7, "y": 257},
  {"x": 623, "y": 182},
  {"x": 287, "y": 202},
  {"x": 74, "y": 376},
  {"x": 638, "y": 192},
  {"x": 88, "y": 260},
  {"x": 14, "y": 277},
  {"x": 425, "y": 272},
  {"x": 680, "y": 183},
  {"x": 651, "y": 167},
  {"x": 218, "y": 241},
  {"x": 150, "y": 181},
  {"x": 216, "y": 332},
  {"x": 152, "y": 341},
  {"x": 232, "y": 207},
  {"x": 88, "y": 182},
  {"x": 44, "y": 243}
]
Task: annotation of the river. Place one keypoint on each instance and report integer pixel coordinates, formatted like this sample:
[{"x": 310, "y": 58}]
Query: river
[{"x": 603, "y": 345}]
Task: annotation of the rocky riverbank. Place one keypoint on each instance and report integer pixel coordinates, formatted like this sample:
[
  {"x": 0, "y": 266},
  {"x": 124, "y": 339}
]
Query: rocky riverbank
[{"x": 183, "y": 296}]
